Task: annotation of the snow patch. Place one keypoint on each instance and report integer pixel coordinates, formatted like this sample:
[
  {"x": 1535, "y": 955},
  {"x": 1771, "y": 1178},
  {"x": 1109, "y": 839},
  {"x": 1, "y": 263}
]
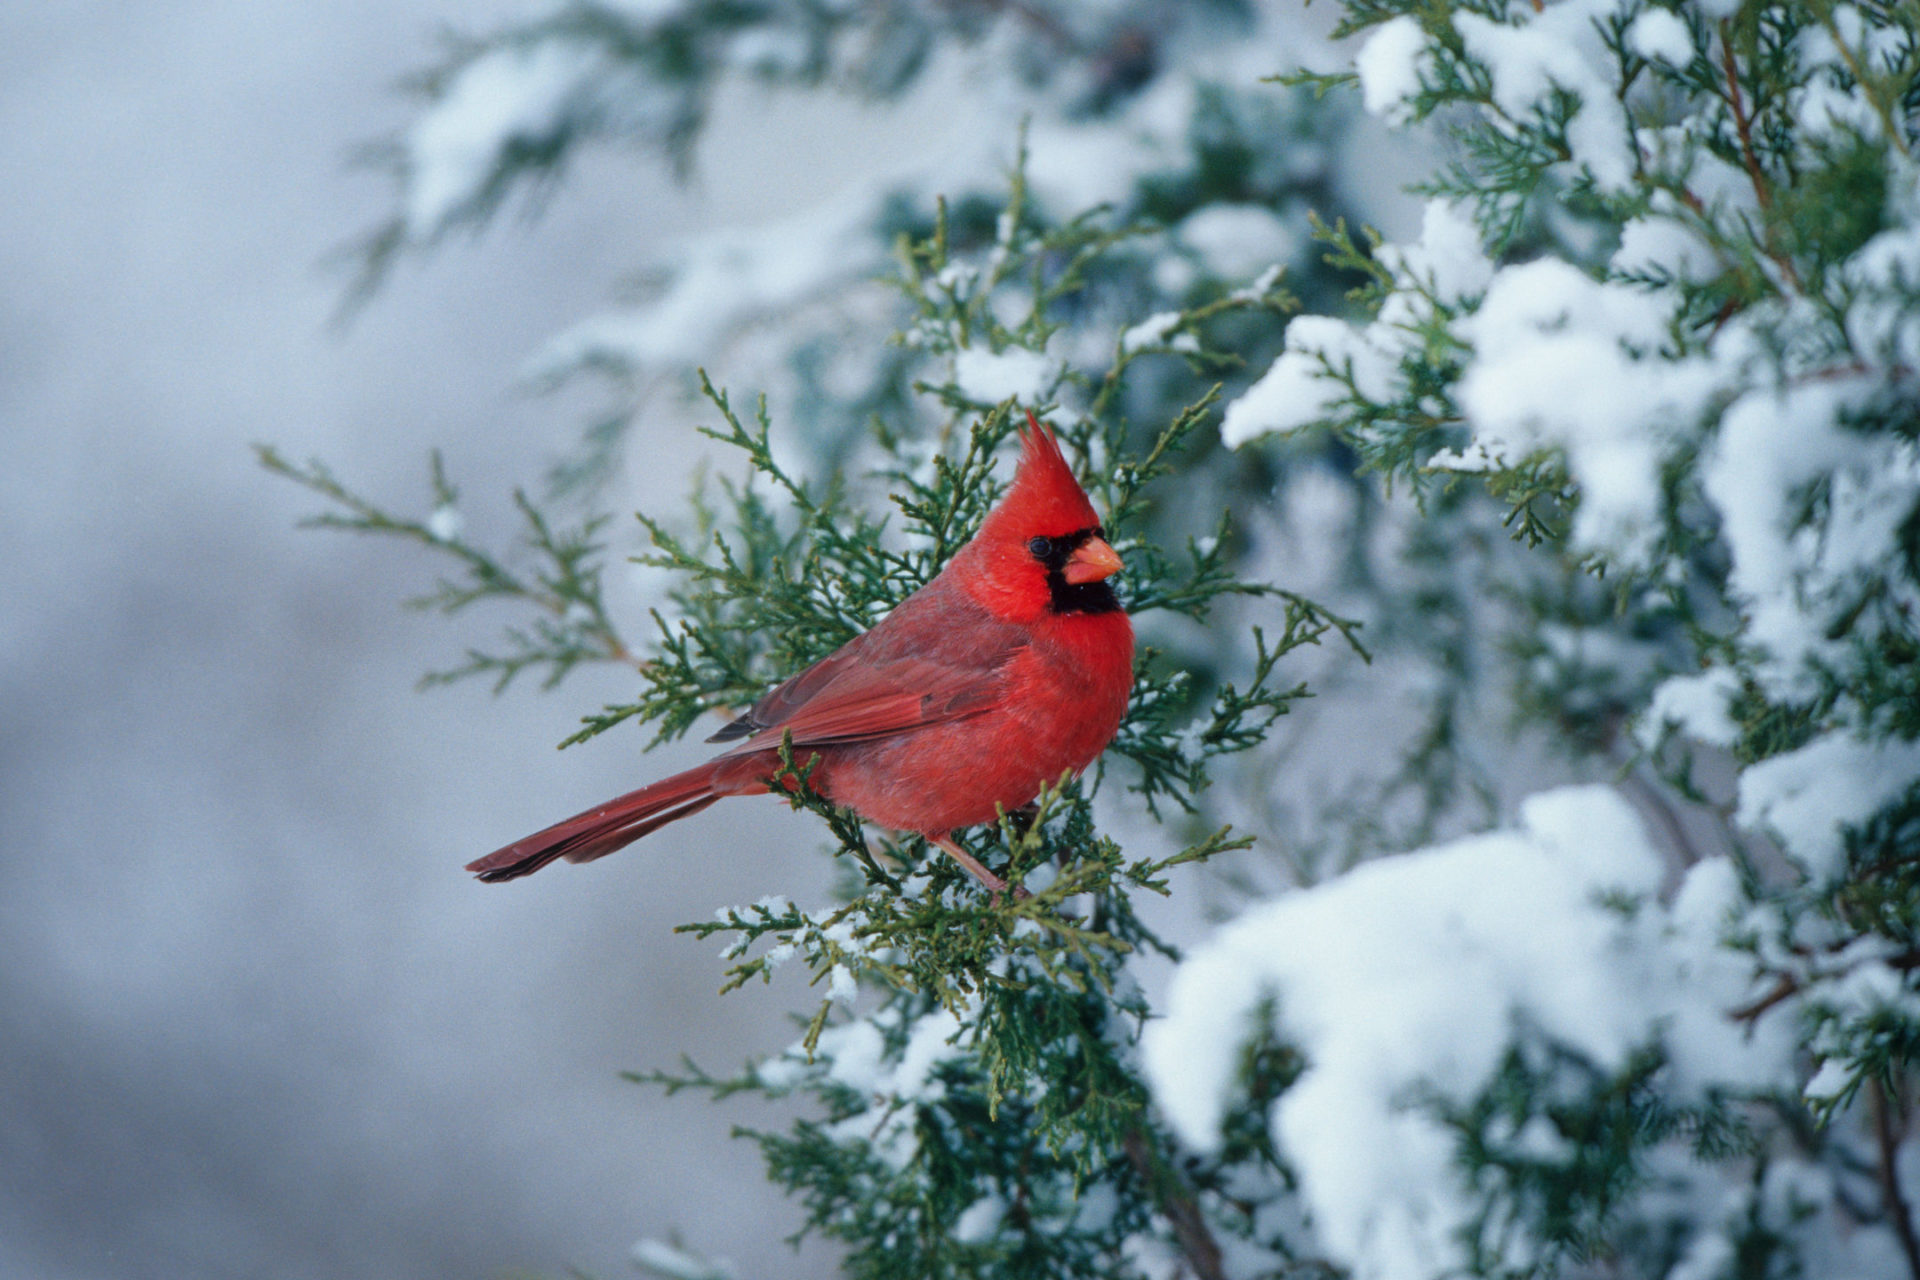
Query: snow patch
[
  {"x": 1157, "y": 331},
  {"x": 1809, "y": 797},
  {"x": 1447, "y": 263},
  {"x": 988, "y": 377},
  {"x": 1407, "y": 977},
  {"x": 1235, "y": 241},
  {"x": 512, "y": 94},
  {"x": 1308, "y": 379},
  {"x": 1563, "y": 361},
  {"x": 1661, "y": 35},
  {"x": 446, "y": 522},
  {"x": 1558, "y": 48},
  {"x": 1696, "y": 705},
  {"x": 1303, "y": 385},
  {"x": 1660, "y": 246},
  {"x": 1391, "y": 65},
  {"x": 675, "y": 1263},
  {"x": 725, "y": 280},
  {"x": 1772, "y": 446}
]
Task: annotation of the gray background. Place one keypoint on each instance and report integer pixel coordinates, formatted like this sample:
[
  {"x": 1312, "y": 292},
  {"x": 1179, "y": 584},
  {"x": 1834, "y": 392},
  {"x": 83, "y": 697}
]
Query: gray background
[{"x": 253, "y": 1019}]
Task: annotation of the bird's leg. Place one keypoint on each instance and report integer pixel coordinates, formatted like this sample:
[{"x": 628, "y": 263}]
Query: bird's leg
[{"x": 973, "y": 865}]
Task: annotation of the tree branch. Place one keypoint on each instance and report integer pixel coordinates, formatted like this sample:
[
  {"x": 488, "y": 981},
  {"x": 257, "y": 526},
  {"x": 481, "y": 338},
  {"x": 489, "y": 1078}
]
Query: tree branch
[
  {"x": 1889, "y": 1171},
  {"x": 1197, "y": 1244},
  {"x": 1757, "y": 176},
  {"x": 1788, "y": 984}
]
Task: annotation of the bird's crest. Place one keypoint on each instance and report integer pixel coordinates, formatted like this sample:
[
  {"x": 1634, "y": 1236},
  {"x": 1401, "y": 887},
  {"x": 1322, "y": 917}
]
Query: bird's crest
[{"x": 1045, "y": 497}]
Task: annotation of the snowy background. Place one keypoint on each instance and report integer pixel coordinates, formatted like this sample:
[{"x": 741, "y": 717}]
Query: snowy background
[{"x": 253, "y": 1018}]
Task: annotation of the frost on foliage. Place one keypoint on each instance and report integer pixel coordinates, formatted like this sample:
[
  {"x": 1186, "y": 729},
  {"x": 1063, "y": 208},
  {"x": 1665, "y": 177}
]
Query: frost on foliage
[
  {"x": 1559, "y": 50},
  {"x": 1619, "y": 309},
  {"x": 1808, "y": 797},
  {"x": 1695, "y": 384},
  {"x": 1567, "y": 363},
  {"x": 1535, "y": 59},
  {"x": 1829, "y": 104},
  {"x": 1406, "y": 982},
  {"x": 1795, "y": 578},
  {"x": 801, "y": 284},
  {"x": 1391, "y": 65},
  {"x": 1791, "y": 1201},
  {"x": 725, "y": 280},
  {"x": 1328, "y": 362},
  {"x": 1863, "y": 1000},
  {"x": 871, "y": 1059},
  {"x": 1883, "y": 280},
  {"x": 513, "y": 96}
]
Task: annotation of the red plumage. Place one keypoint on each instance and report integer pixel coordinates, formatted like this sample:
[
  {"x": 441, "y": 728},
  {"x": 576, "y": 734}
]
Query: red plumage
[{"x": 1009, "y": 669}]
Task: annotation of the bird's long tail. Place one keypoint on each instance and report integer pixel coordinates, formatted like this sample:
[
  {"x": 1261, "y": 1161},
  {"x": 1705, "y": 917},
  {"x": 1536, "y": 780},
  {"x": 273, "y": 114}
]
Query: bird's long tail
[{"x": 607, "y": 827}]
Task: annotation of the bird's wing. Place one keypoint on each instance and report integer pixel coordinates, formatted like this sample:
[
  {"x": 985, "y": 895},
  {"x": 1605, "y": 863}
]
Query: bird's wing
[
  {"x": 877, "y": 702},
  {"x": 908, "y": 672}
]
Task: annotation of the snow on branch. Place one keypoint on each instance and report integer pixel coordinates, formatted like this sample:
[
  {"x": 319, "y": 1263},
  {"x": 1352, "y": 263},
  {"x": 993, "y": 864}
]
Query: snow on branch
[{"x": 1409, "y": 985}]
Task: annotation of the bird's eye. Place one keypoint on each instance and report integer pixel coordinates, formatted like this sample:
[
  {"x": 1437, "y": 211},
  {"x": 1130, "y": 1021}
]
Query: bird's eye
[{"x": 1041, "y": 547}]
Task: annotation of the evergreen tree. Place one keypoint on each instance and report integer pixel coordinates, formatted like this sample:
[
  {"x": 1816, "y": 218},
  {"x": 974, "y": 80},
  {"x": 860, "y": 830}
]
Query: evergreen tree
[{"x": 1617, "y": 463}]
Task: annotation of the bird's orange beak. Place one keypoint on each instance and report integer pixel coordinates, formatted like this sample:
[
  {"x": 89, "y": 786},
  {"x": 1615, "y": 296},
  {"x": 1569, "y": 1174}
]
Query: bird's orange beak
[{"x": 1093, "y": 561}]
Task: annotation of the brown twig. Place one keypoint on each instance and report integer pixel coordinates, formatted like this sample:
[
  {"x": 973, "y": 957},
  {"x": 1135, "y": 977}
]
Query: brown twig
[
  {"x": 1787, "y": 984},
  {"x": 1738, "y": 102},
  {"x": 1743, "y": 126},
  {"x": 1197, "y": 1244},
  {"x": 1889, "y": 1171}
]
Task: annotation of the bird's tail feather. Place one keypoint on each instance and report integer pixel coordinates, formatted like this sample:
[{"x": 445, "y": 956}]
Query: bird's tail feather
[{"x": 605, "y": 828}]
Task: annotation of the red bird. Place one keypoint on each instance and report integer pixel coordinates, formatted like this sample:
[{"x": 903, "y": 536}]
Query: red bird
[{"x": 1009, "y": 669}]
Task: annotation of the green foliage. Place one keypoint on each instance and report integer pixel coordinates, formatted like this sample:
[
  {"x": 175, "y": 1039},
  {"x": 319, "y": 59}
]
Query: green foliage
[
  {"x": 562, "y": 590},
  {"x": 1560, "y": 1148}
]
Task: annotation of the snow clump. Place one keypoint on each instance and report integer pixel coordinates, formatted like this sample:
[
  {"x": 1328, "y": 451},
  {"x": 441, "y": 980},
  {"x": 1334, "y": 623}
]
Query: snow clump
[{"x": 1406, "y": 982}]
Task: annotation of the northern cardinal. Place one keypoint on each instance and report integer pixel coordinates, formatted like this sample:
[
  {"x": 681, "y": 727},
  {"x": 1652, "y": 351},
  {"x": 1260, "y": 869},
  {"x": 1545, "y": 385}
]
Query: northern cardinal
[{"x": 1009, "y": 669}]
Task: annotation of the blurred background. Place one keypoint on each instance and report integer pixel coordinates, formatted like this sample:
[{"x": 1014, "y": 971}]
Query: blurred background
[{"x": 254, "y": 1020}]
